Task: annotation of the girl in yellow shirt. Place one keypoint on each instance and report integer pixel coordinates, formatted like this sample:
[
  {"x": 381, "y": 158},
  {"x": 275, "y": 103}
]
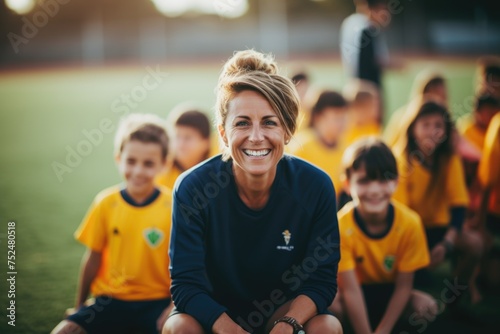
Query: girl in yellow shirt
[{"x": 432, "y": 182}]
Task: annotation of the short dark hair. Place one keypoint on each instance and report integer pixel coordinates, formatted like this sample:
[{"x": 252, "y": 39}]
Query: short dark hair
[
  {"x": 195, "y": 119},
  {"x": 372, "y": 154},
  {"x": 487, "y": 100},
  {"x": 436, "y": 81},
  {"x": 375, "y": 3},
  {"x": 326, "y": 99},
  {"x": 299, "y": 76}
]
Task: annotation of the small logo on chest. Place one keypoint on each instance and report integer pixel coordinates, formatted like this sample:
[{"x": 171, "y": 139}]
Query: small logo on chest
[
  {"x": 389, "y": 261},
  {"x": 153, "y": 236},
  {"x": 287, "y": 236}
]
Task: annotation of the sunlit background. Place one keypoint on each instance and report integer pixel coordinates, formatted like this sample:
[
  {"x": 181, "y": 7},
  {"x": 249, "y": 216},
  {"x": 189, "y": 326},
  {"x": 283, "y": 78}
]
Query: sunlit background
[
  {"x": 101, "y": 31},
  {"x": 67, "y": 65}
]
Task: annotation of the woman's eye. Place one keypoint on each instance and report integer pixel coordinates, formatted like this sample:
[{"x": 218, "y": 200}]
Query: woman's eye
[
  {"x": 242, "y": 123},
  {"x": 271, "y": 123}
]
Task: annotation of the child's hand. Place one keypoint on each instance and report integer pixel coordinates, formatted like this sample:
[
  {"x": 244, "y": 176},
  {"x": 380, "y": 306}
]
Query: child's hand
[
  {"x": 70, "y": 311},
  {"x": 438, "y": 254}
]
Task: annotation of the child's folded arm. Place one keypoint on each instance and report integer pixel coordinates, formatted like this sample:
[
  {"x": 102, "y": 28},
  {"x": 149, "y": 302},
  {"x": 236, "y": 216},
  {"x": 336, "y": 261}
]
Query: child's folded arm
[
  {"x": 354, "y": 302},
  {"x": 397, "y": 303}
]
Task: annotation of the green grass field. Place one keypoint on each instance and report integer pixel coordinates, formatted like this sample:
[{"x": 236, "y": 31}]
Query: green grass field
[{"x": 44, "y": 112}]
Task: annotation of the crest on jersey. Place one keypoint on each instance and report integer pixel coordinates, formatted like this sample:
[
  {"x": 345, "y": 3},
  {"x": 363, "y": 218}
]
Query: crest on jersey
[
  {"x": 154, "y": 237},
  {"x": 389, "y": 261},
  {"x": 287, "y": 236}
]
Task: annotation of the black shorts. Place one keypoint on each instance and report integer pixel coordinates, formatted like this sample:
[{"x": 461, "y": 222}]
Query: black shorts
[
  {"x": 377, "y": 297},
  {"x": 109, "y": 315},
  {"x": 493, "y": 224},
  {"x": 423, "y": 278},
  {"x": 435, "y": 235},
  {"x": 253, "y": 322}
]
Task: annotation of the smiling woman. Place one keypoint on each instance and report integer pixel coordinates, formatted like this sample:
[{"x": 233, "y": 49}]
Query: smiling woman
[{"x": 255, "y": 241}]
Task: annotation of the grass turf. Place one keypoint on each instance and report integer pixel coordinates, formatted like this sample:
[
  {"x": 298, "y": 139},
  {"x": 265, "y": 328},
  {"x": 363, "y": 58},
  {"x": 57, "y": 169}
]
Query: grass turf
[{"x": 43, "y": 113}]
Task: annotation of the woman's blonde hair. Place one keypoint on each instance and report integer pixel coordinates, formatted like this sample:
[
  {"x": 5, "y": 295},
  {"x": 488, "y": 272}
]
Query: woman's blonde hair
[{"x": 252, "y": 70}]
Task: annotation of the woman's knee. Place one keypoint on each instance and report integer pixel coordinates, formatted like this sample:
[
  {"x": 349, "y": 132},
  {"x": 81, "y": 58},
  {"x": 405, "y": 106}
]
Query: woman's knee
[
  {"x": 182, "y": 324},
  {"x": 323, "y": 324}
]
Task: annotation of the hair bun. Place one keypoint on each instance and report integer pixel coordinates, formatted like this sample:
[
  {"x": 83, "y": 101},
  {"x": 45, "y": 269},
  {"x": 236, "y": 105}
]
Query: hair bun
[{"x": 249, "y": 61}]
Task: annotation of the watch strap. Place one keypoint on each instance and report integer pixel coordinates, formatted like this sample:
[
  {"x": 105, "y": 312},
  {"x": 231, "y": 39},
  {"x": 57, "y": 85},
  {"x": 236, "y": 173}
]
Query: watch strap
[{"x": 297, "y": 328}]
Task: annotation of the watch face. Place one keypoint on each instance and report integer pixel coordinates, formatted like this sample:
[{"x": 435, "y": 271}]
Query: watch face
[{"x": 301, "y": 332}]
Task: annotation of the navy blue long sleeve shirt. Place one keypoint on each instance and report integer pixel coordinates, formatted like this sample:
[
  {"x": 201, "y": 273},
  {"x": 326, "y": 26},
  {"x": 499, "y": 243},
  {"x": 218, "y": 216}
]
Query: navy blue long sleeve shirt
[{"x": 226, "y": 257}]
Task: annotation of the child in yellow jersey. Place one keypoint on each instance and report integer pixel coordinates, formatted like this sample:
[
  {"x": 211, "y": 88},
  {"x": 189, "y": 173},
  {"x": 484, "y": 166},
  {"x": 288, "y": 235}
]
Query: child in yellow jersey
[
  {"x": 382, "y": 245},
  {"x": 427, "y": 83},
  {"x": 127, "y": 232},
  {"x": 489, "y": 175},
  {"x": 432, "y": 182},
  {"x": 321, "y": 145},
  {"x": 191, "y": 142},
  {"x": 473, "y": 128},
  {"x": 488, "y": 76},
  {"x": 364, "y": 107},
  {"x": 489, "y": 210}
]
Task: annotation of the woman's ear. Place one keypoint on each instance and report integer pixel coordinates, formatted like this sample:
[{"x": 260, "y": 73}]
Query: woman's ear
[{"x": 222, "y": 134}]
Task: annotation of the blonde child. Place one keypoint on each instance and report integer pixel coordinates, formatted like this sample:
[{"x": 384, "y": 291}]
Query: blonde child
[{"x": 127, "y": 232}]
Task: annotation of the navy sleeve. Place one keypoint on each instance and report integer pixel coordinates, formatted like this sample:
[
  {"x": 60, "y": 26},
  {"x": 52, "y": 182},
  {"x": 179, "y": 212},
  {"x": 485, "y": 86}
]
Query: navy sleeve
[
  {"x": 457, "y": 217},
  {"x": 190, "y": 285},
  {"x": 323, "y": 252}
]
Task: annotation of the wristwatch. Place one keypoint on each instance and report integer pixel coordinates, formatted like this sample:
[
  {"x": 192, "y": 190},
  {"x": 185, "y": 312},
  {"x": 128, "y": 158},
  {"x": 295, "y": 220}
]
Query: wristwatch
[{"x": 297, "y": 328}]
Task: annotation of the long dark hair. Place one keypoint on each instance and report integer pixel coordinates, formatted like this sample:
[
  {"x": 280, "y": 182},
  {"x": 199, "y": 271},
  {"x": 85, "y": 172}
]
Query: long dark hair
[{"x": 444, "y": 148}]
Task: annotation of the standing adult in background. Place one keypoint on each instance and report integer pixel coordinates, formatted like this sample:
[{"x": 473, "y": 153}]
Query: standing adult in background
[
  {"x": 363, "y": 48},
  {"x": 255, "y": 240}
]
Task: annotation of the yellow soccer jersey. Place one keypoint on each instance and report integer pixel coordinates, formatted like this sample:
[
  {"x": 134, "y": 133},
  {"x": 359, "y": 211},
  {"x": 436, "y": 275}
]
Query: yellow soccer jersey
[
  {"x": 355, "y": 132},
  {"x": 134, "y": 242},
  {"x": 489, "y": 166},
  {"x": 307, "y": 145},
  {"x": 168, "y": 177},
  {"x": 472, "y": 132},
  {"x": 378, "y": 259},
  {"x": 433, "y": 208}
]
